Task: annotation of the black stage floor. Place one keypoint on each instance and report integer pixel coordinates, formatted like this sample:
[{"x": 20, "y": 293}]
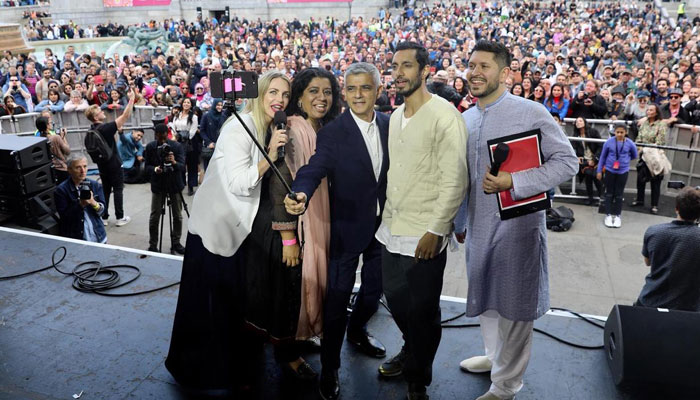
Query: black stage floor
[{"x": 56, "y": 342}]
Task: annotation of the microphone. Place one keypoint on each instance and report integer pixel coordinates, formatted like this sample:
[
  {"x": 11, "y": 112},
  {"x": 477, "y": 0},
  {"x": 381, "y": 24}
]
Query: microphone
[
  {"x": 499, "y": 156},
  {"x": 280, "y": 122}
]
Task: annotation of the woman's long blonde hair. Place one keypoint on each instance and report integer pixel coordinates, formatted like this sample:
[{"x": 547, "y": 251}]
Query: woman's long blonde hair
[{"x": 255, "y": 106}]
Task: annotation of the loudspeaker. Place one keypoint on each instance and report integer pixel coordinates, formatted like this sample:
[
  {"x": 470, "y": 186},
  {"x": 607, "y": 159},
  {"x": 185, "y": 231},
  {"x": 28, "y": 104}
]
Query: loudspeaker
[
  {"x": 35, "y": 180},
  {"x": 28, "y": 208},
  {"x": 653, "y": 346},
  {"x": 22, "y": 152},
  {"x": 46, "y": 225}
]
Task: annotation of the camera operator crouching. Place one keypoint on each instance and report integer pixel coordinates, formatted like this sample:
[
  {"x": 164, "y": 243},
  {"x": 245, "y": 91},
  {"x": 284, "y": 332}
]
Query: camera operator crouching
[
  {"x": 80, "y": 203},
  {"x": 165, "y": 164}
]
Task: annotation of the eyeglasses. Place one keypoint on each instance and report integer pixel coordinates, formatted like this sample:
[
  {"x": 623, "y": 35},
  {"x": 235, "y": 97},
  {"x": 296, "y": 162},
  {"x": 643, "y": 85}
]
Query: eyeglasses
[{"x": 676, "y": 97}]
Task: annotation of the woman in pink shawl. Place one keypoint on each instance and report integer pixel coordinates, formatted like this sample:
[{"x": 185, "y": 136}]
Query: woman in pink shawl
[{"x": 315, "y": 101}]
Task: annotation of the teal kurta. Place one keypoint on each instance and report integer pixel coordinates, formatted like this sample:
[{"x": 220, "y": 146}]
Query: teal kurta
[{"x": 507, "y": 260}]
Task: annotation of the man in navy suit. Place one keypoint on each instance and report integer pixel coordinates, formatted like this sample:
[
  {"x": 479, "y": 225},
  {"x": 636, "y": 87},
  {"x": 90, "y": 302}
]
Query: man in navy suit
[{"x": 352, "y": 153}]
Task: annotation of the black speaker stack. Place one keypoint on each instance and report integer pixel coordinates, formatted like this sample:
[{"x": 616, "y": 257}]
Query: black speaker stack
[
  {"x": 651, "y": 347},
  {"x": 27, "y": 183}
]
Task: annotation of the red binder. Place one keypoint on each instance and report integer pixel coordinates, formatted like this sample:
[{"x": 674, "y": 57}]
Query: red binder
[{"x": 525, "y": 153}]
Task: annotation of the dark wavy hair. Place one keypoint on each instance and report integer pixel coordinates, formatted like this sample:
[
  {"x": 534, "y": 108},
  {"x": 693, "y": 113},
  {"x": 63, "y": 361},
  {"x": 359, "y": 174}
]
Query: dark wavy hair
[
  {"x": 192, "y": 109},
  {"x": 299, "y": 84}
]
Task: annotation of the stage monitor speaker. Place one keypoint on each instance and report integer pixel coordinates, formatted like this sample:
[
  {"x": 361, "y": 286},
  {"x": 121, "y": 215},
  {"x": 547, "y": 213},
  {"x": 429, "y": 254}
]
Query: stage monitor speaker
[
  {"x": 46, "y": 225},
  {"x": 28, "y": 208},
  {"x": 653, "y": 346},
  {"x": 20, "y": 182},
  {"x": 23, "y": 152}
]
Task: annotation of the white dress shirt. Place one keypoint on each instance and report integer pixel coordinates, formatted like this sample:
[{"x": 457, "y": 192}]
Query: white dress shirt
[{"x": 370, "y": 133}]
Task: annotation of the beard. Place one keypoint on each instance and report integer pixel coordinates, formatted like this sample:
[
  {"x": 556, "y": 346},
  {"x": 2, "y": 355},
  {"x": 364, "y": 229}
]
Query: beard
[
  {"x": 490, "y": 88},
  {"x": 414, "y": 85}
]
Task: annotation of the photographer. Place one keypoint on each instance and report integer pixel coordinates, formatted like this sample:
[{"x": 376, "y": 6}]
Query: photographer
[
  {"x": 588, "y": 103},
  {"x": 19, "y": 92},
  {"x": 80, "y": 203},
  {"x": 111, "y": 172},
  {"x": 672, "y": 250},
  {"x": 165, "y": 163},
  {"x": 131, "y": 152}
]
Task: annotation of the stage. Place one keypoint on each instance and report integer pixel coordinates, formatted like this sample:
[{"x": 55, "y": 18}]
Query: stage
[{"x": 56, "y": 342}]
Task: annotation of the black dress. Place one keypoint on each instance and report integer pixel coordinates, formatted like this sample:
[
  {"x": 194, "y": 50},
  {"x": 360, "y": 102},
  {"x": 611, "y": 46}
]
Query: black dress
[
  {"x": 208, "y": 340},
  {"x": 222, "y": 298},
  {"x": 273, "y": 290}
]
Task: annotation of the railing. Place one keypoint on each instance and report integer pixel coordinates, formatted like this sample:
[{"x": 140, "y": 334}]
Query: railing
[
  {"x": 682, "y": 151},
  {"x": 76, "y": 125}
]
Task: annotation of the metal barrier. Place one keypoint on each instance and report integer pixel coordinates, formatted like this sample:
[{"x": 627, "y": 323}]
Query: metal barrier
[
  {"x": 76, "y": 125},
  {"x": 24, "y": 124},
  {"x": 682, "y": 151}
]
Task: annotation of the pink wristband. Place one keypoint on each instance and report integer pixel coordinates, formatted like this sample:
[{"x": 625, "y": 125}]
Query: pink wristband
[{"x": 290, "y": 242}]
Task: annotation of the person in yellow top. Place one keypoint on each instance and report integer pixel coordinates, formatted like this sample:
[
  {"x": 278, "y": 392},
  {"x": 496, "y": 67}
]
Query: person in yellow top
[
  {"x": 426, "y": 182},
  {"x": 681, "y": 11}
]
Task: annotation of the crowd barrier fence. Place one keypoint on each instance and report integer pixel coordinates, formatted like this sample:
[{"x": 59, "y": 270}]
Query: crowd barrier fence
[
  {"x": 76, "y": 125},
  {"x": 682, "y": 151}
]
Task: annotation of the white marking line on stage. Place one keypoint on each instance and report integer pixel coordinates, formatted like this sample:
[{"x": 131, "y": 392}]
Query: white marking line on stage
[
  {"x": 179, "y": 258},
  {"x": 555, "y": 313},
  {"x": 84, "y": 243}
]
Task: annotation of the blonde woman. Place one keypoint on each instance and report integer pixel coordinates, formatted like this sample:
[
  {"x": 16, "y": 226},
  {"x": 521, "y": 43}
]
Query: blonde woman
[{"x": 238, "y": 271}]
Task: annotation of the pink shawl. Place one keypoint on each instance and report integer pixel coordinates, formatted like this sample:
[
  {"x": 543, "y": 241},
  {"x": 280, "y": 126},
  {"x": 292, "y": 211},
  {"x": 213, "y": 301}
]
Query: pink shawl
[{"x": 314, "y": 228}]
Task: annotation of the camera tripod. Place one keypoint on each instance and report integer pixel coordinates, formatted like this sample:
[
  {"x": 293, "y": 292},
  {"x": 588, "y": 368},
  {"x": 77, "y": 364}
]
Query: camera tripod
[{"x": 167, "y": 201}]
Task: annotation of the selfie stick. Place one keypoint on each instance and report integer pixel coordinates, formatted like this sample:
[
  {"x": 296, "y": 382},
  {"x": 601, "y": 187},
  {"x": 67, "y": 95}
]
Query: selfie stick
[{"x": 232, "y": 106}]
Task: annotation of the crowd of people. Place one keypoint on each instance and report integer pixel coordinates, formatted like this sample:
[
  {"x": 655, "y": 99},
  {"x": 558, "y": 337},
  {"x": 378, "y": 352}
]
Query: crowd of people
[{"x": 258, "y": 261}]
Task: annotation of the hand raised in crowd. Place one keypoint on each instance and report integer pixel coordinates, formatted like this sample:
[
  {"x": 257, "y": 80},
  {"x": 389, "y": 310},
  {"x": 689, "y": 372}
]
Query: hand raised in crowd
[
  {"x": 131, "y": 95},
  {"x": 495, "y": 184},
  {"x": 279, "y": 139},
  {"x": 428, "y": 246},
  {"x": 295, "y": 207},
  {"x": 290, "y": 255}
]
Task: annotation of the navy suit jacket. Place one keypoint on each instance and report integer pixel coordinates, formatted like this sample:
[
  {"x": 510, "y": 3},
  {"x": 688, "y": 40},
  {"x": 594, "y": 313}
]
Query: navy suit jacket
[{"x": 342, "y": 156}]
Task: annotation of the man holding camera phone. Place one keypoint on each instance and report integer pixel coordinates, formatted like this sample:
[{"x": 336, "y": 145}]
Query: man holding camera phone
[
  {"x": 80, "y": 203},
  {"x": 588, "y": 103},
  {"x": 18, "y": 91},
  {"x": 165, "y": 163}
]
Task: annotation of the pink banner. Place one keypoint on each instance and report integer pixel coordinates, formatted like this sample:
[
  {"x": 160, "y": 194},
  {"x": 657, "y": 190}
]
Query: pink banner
[
  {"x": 308, "y": 1},
  {"x": 136, "y": 3}
]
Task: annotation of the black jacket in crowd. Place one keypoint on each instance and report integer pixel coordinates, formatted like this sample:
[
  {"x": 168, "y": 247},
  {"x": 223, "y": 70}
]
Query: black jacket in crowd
[
  {"x": 153, "y": 160},
  {"x": 597, "y": 110},
  {"x": 446, "y": 92},
  {"x": 683, "y": 114}
]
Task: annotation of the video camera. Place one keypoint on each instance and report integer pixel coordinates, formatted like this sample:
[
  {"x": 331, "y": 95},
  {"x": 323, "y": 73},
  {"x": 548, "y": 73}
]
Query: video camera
[
  {"x": 163, "y": 151},
  {"x": 231, "y": 85},
  {"x": 85, "y": 191}
]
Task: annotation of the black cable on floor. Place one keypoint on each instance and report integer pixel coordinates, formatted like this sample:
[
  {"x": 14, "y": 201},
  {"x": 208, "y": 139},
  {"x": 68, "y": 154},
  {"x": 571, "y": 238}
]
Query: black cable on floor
[
  {"x": 97, "y": 279},
  {"x": 445, "y": 325}
]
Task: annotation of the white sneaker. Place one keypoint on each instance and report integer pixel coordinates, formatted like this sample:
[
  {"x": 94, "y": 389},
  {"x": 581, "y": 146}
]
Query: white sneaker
[
  {"x": 609, "y": 221},
  {"x": 123, "y": 221},
  {"x": 105, "y": 222},
  {"x": 476, "y": 365},
  {"x": 617, "y": 221}
]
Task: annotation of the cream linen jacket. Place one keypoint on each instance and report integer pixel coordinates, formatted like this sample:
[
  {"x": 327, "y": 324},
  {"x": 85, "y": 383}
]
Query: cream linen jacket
[{"x": 428, "y": 175}]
